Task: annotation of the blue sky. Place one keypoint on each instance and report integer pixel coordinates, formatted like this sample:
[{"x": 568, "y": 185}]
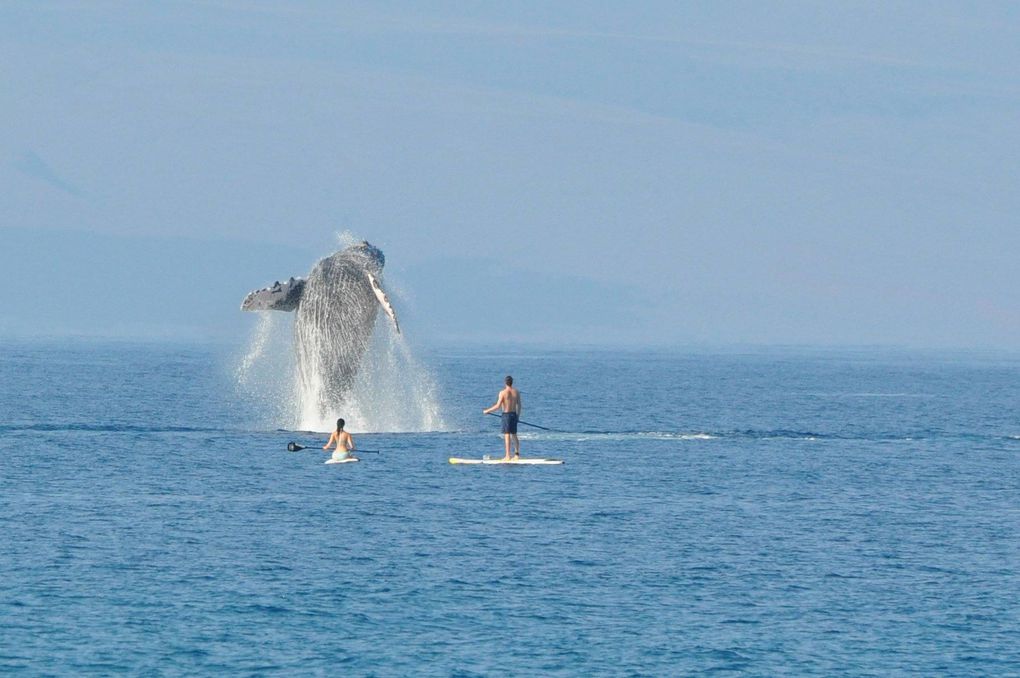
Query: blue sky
[{"x": 620, "y": 173}]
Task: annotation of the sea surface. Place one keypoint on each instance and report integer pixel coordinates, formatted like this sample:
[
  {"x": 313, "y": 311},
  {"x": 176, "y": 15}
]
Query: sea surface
[{"x": 771, "y": 512}]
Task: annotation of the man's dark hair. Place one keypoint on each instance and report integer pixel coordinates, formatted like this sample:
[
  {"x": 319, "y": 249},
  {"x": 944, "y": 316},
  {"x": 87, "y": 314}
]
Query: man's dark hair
[{"x": 509, "y": 380}]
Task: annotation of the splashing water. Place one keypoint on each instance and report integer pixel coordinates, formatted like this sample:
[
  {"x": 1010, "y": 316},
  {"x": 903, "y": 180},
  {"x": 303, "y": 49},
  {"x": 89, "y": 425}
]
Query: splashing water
[
  {"x": 392, "y": 390},
  {"x": 258, "y": 371},
  {"x": 346, "y": 238}
]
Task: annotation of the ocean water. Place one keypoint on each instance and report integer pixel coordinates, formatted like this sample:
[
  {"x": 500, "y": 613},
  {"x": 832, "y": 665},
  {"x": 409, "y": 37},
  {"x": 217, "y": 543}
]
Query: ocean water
[{"x": 777, "y": 512}]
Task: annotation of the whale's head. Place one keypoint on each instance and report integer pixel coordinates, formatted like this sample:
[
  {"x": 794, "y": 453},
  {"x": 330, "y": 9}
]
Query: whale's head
[{"x": 369, "y": 256}]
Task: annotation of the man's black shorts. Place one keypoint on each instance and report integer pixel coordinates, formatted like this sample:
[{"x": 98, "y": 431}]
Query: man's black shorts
[{"x": 509, "y": 420}]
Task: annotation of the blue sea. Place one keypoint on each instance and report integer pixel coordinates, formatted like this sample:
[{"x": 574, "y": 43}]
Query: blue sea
[{"x": 786, "y": 511}]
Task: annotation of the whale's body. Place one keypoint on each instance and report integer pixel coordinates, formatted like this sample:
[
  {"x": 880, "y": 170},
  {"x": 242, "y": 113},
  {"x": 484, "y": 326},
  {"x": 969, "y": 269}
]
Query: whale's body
[{"x": 335, "y": 312}]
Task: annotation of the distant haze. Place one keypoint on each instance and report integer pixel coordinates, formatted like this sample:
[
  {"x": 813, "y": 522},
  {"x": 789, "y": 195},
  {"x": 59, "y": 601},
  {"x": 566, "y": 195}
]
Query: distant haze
[{"x": 568, "y": 172}]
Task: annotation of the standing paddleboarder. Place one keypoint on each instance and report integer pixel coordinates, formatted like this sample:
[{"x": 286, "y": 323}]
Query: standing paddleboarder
[{"x": 510, "y": 400}]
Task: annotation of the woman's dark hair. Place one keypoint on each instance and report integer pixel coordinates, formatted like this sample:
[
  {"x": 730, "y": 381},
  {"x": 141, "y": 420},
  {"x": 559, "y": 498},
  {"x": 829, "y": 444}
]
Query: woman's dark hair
[
  {"x": 509, "y": 380},
  {"x": 339, "y": 424}
]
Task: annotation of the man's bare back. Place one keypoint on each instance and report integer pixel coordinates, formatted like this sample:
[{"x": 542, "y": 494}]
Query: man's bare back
[{"x": 511, "y": 400}]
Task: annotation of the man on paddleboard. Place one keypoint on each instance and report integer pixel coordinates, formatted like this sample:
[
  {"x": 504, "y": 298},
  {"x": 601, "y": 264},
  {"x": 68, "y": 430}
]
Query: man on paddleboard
[
  {"x": 344, "y": 442},
  {"x": 510, "y": 400}
]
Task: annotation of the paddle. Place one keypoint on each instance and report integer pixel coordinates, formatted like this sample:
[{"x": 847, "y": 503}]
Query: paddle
[
  {"x": 294, "y": 447},
  {"x": 521, "y": 421}
]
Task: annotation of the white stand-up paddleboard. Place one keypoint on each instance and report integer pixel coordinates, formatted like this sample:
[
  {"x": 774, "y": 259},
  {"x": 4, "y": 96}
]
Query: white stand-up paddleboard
[
  {"x": 348, "y": 460},
  {"x": 519, "y": 460}
]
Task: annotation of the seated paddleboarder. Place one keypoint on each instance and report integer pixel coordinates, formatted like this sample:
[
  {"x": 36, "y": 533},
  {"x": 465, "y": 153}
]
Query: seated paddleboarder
[
  {"x": 344, "y": 442},
  {"x": 510, "y": 400}
]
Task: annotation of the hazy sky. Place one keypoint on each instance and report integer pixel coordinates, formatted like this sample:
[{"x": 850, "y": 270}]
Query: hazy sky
[{"x": 567, "y": 172}]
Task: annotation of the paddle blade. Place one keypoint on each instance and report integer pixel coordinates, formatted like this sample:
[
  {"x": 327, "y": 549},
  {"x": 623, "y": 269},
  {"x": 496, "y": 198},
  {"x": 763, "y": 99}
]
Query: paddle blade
[{"x": 294, "y": 447}]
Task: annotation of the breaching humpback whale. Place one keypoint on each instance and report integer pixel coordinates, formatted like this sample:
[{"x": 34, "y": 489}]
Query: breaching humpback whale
[{"x": 336, "y": 307}]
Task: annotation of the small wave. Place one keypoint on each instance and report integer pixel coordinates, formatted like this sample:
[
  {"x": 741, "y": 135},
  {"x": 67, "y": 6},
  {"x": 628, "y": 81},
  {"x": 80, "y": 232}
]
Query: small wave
[
  {"x": 870, "y": 395},
  {"x": 787, "y": 434},
  {"x": 584, "y": 436},
  {"x": 746, "y": 434},
  {"x": 106, "y": 428}
]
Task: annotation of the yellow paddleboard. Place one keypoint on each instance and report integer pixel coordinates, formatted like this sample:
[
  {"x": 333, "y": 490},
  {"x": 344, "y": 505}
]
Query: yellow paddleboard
[{"x": 519, "y": 460}]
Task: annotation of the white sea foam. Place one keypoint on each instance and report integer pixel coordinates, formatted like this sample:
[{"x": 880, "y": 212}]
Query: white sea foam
[
  {"x": 666, "y": 435},
  {"x": 392, "y": 391}
]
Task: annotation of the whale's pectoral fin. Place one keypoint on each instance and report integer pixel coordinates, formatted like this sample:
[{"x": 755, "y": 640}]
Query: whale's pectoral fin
[
  {"x": 384, "y": 301},
  {"x": 277, "y": 297}
]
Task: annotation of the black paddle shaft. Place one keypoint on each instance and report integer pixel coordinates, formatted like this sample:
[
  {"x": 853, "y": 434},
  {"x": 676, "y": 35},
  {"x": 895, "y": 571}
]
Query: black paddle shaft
[
  {"x": 294, "y": 447},
  {"x": 521, "y": 421}
]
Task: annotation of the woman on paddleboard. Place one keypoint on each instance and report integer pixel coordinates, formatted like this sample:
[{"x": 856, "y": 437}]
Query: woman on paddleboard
[{"x": 343, "y": 440}]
